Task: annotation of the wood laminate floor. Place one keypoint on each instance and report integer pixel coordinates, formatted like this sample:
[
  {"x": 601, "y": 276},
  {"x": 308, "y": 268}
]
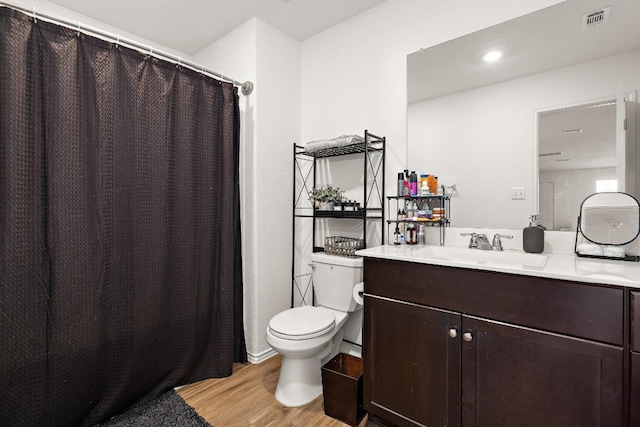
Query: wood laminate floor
[{"x": 246, "y": 398}]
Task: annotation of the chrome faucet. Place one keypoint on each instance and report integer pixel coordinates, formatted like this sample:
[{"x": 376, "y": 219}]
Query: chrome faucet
[
  {"x": 478, "y": 241},
  {"x": 496, "y": 245}
]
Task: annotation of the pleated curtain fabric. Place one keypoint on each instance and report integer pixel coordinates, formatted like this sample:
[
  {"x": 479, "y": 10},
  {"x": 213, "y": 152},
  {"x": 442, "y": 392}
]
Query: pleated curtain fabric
[{"x": 120, "y": 262}]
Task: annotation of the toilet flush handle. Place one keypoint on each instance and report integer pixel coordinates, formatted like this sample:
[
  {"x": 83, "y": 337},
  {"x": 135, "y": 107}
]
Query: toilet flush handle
[{"x": 312, "y": 265}]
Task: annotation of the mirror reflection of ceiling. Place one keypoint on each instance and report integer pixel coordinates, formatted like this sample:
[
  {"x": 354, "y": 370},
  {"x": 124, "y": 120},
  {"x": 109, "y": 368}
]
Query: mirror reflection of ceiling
[
  {"x": 577, "y": 138},
  {"x": 551, "y": 38}
]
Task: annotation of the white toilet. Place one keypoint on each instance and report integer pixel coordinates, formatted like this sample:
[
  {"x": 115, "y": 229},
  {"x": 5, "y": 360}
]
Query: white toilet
[{"x": 308, "y": 336}]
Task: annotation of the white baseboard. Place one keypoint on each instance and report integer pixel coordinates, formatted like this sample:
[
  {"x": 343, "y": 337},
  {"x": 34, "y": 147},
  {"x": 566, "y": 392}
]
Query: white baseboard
[{"x": 260, "y": 357}]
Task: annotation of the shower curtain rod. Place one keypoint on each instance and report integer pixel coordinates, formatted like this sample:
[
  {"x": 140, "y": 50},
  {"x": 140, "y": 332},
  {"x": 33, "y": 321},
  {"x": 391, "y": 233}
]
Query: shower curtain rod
[{"x": 246, "y": 87}]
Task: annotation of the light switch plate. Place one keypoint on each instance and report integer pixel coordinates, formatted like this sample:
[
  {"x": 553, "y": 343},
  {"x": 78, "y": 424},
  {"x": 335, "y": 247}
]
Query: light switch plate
[{"x": 517, "y": 193}]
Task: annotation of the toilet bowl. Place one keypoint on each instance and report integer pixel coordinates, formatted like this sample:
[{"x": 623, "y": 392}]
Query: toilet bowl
[
  {"x": 308, "y": 336},
  {"x": 303, "y": 350}
]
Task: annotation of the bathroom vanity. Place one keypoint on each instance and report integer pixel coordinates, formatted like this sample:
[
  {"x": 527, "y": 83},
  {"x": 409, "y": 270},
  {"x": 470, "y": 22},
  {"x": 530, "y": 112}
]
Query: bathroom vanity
[{"x": 454, "y": 343}]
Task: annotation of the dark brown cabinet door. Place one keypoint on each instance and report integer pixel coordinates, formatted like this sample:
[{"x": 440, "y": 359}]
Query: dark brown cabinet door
[
  {"x": 635, "y": 321},
  {"x": 411, "y": 363},
  {"x": 635, "y": 360},
  {"x": 521, "y": 377},
  {"x": 635, "y": 389}
]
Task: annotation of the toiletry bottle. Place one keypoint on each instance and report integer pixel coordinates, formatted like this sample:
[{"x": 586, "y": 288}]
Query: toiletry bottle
[
  {"x": 396, "y": 236},
  {"x": 433, "y": 184},
  {"x": 406, "y": 191},
  {"x": 413, "y": 183},
  {"x": 424, "y": 189},
  {"x": 400, "y": 184},
  {"x": 424, "y": 186},
  {"x": 410, "y": 239},
  {"x": 533, "y": 236},
  {"x": 421, "y": 235}
]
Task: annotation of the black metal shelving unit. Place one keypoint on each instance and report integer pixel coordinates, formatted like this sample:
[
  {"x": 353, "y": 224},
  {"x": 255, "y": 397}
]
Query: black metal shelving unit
[
  {"x": 442, "y": 201},
  {"x": 372, "y": 206}
]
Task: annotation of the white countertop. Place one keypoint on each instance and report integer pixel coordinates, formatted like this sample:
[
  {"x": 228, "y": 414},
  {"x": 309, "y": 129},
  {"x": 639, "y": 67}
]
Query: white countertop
[{"x": 564, "y": 266}]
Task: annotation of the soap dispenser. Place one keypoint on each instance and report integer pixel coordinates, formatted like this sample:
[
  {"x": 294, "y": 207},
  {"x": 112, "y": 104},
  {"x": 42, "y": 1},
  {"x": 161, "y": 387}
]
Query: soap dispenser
[{"x": 533, "y": 236}]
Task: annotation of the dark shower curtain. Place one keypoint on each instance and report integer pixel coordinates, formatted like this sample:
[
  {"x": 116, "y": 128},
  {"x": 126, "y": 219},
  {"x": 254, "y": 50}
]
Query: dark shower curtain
[{"x": 120, "y": 262}]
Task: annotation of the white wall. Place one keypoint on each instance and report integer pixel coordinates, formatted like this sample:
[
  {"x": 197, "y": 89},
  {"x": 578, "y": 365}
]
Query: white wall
[
  {"x": 270, "y": 120},
  {"x": 277, "y": 128},
  {"x": 354, "y": 74},
  {"x": 484, "y": 139}
]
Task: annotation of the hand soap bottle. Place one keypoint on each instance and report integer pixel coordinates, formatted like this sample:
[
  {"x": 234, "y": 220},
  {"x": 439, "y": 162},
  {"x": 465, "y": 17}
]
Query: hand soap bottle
[{"x": 533, "y": 236}]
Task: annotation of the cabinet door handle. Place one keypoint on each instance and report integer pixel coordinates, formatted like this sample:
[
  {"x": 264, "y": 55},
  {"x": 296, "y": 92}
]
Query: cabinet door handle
[
  {"x": 467, "y": 336},
  {"x": 453, "y": 333}
]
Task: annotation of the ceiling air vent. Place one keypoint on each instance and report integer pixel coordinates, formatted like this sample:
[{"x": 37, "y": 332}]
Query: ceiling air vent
[{"x": 596, "y": 17}]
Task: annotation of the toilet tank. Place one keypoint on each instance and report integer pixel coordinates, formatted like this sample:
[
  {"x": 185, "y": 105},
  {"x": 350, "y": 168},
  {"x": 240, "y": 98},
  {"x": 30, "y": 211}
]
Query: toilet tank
[{"x": 333, "y": 280}]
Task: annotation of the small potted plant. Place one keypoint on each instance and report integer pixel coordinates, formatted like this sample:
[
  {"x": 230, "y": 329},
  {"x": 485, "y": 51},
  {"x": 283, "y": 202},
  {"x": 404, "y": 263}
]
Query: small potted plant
[{"x": 324, "y": 197}]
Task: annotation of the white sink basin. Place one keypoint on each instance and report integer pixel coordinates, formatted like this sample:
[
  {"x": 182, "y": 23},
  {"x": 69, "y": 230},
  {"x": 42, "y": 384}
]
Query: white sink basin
[{"x": 477, "y": 256}]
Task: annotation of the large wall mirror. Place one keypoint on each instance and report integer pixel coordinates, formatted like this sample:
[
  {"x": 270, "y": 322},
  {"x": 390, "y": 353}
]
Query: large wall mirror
[{"x": 538, "y": 129}]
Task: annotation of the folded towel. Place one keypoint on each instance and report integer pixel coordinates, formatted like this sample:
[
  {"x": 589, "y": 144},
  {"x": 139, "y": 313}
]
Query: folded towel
[
  {"x": 613, "y": 251},
  {"x": 590, "y": 249},
  {"x": 340, "y": 141}
]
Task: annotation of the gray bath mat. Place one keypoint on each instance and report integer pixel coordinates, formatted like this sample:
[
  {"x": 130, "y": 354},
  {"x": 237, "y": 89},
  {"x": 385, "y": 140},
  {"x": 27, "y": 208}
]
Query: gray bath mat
[{"x": 168, "y": 410}]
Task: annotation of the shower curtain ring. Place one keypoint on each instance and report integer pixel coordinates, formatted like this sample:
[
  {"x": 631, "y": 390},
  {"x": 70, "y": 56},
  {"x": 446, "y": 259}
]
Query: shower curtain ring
[
  {"x": 78, "y": 29},
  {"x": 118, "y": 41},
  {"x": 179, "y": 62},
  {"x": 35, "y": 16}
]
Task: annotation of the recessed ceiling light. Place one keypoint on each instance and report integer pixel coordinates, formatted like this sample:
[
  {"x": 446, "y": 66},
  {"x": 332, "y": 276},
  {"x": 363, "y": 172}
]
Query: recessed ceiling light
[{"x": 494, "y": 55}]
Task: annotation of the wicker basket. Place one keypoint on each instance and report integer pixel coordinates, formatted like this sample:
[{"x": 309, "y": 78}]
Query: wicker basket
[{"x": 343, "y": 246}]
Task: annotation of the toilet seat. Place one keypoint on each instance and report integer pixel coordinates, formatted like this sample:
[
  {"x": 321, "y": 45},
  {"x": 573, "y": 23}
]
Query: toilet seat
[{"x": 302, "y": 323}]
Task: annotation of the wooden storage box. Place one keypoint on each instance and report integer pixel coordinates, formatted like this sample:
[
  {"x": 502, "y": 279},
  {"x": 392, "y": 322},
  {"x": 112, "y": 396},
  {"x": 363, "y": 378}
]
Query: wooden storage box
[{"x": 342, "y": 388}]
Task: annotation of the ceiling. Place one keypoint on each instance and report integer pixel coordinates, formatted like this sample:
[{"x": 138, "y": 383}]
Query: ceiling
[
  {"x": 189, "y": 26},
  {"x": 579, "y": 137}
]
